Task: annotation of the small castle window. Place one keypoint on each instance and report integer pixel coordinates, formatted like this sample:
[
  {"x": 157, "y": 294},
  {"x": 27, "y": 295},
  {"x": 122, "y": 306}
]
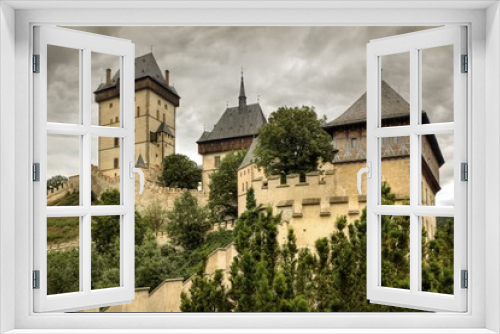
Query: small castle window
[
  {"x": 159, "y": 102},
  {"x": 116, "y": 163},
  {"x": 138, "y": 111},
  {"x": 157, "y": 114},
  {"x": 117, "y": 142},
  {"x": 164, "y": 118},
  {"x": 110, "y": 121},
  {"x": 111, "y": 105},
  {"x": 353, "y": 142},
  {"x": 217, "y": 161},
  {"x": 166, "y": 106}
]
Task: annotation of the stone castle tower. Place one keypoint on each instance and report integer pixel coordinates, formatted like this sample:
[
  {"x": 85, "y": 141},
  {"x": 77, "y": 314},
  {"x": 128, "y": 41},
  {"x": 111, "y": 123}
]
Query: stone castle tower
[
  {"x": 156, "y": 103},
  {"x": 234, "y": 131}
]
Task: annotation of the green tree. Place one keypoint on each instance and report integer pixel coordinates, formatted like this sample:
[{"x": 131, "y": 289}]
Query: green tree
[
  {"x": 223, "y": 197},
  {"x": 105, "y": 229},
  {"x": 180, "y": 172},
  {"x": 56, "y": 181},
  {"x": 293, "y": 141},
  {"x": 155, "y": 215},
  {"x": 187, "y": 223},
  {"x": 207, "y": 294}
]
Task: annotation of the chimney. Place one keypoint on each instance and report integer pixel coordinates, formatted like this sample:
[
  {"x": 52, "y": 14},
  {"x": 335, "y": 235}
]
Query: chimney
[
  {"x": 167, "y": 76},
  {"x": 108, "y": 76}
]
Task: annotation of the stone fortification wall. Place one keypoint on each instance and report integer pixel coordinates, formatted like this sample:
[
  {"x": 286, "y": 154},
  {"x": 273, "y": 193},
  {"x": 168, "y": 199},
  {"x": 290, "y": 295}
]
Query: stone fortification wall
[
  {"x": 167, "y": 296},
  {"x": 56, "y": 194}
]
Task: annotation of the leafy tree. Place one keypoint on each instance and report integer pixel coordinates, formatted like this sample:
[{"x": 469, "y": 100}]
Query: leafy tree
[
  {"x": 56, "y": 181},
  {"x": 293, "y": 142},
  {"x": 155, "y": 215},
  {"x": 187, "y": 223},
  {"x": 180, "y": 172},
  {"x": 106, "y": 229},
  {"x": 208, "y": 294},
  {"x": 223, "y": 197}
]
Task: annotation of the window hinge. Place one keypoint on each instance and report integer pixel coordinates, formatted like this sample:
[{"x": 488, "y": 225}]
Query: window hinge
[
  {"x": 465, "y": 64},
  {"x": 36, "y": 279},
  {"x": 36, "y": 172},
  {"x": 464, "y": 171},
  {"x": 464, "y": 279},
  {"x": 36, "y": 63}
]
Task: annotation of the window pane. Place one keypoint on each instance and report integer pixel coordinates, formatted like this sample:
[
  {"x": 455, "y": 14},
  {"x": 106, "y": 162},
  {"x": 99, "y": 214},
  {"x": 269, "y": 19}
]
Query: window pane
[
  {"x": 395, "y": 170},
  {"x": 106, "y": 88},
  {"x": 395, "y": 249},
  {"x": 437, "y": 181},
  {"x": 395, "y": 89},
  {"x": 105, "y": 252},
  {"x": 106, "y": 170},
  {"x": 63, "y": 255},
  {"x": 63, "y": 170},
  {"x": 63, "y": 85},
  {"x": 437, "y": 84},
  {"x": 437, "y": 254}
]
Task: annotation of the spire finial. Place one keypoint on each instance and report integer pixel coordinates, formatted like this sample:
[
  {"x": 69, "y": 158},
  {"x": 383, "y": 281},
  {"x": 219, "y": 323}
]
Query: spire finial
[{"x": 242, "y": 98}]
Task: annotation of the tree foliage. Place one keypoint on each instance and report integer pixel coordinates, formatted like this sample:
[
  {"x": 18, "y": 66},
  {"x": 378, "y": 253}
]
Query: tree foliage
[
  {"x": 293, "y": 141},
  {"x": 223, "y": 197},
  {"x": 187, "y": 223},
  {"x": 56, "y": 181},
  {"x": 155, "y": 215},
  {"x": 180, "y": 172},
  {"x": 268, "y": 278}
]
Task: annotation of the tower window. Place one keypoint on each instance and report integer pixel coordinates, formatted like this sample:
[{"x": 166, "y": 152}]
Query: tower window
[
  {"x": 166, "y": 106},
  {"x": 217, "y": 161},
  {"x": 117, "y": 119},
  {"x": 159, "y": 102},
  {"x": 116, "y": 163},
  {"x": 117, "y": 142},
  {"x": 353, "y": 142},
  {"x": 157, "y": 114},
  {"x": 111, "y": 105},
  {"x": 138, "y": 111},
  {"x": 164, "y": 118}
]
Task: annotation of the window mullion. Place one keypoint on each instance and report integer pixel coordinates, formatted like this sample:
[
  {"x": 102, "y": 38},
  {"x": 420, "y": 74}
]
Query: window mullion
[{"x": 414, "y": 170}]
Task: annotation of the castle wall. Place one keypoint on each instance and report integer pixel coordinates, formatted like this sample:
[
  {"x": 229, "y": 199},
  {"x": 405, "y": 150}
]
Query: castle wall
[
  {"x": 311, "y": 208},
  {"x": 208, "y": 166}
]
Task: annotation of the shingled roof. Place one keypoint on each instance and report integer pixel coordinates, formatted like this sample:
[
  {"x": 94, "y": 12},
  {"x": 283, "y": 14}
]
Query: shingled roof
[
  {"x": 145, "y": 66},
  {"x": 394, "y": 106},
  {"x": 165, "y": 128}
]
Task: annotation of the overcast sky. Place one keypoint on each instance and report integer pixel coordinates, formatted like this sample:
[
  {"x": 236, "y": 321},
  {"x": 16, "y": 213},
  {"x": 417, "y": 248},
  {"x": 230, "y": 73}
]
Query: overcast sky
[{"x": 324, "y": 67}]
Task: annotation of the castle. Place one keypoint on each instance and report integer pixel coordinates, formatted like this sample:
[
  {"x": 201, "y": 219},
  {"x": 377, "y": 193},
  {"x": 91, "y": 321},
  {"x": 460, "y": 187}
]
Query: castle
[
  {"x": 156, "y": 103},
  {"x": 311, "y": 206},
  {"x": 235, "y": 130}
]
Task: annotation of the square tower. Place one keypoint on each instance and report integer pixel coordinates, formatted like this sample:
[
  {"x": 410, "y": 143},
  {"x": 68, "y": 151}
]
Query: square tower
[{"x": 155, "y": 110}]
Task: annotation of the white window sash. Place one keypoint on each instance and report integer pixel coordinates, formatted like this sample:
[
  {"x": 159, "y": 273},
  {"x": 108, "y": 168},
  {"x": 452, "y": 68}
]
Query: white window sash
[
  {"x": 86, "y": 43},
  {"x": 412, "y": 43}
]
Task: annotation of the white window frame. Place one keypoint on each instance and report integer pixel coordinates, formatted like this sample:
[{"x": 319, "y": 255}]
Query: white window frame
[
  {"x": 484, "y": 26},
  {"x": 124, "y": 50},
  {"x": 413, "y": 44}
]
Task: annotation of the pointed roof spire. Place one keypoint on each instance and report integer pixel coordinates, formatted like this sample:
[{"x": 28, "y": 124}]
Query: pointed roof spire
[
  {"x": 140, "y": 162},
  {"x": 242, "y": 98}
]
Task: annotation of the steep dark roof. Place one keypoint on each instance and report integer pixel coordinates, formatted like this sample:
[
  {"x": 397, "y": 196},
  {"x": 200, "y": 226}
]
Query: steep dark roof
[
  {"x": 249, "y": 157},
  {"x": 145, "y": 66},
  {"x": 236, "y": 122},
  {"x": 393, "y": 106},
  {"x": 165, "y": 128},
  {"x": 140, "y": 162}
]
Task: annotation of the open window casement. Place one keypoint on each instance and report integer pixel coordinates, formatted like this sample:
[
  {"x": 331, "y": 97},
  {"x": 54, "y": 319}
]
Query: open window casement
[
  {"x": 66, "y": 137},
  {"x": 417, "y": 137}
]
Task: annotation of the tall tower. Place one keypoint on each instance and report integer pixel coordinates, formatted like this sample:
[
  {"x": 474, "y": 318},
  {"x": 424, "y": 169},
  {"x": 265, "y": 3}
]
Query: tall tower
[{"x": 155, "y": 110}]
